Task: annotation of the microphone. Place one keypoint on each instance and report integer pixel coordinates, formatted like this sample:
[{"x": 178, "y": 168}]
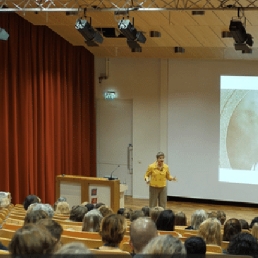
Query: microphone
[{"x": 111, "y": 175}]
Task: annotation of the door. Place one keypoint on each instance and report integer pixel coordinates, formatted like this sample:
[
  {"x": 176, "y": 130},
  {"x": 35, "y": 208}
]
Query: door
[{"x": 114, "y": 140}]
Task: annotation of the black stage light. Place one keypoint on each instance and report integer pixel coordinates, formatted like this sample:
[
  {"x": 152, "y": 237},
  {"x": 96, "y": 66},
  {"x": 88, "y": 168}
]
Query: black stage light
[
  {"x": 3, "y": 34},
  {"x": 128, "y": 30},
  {"x": 238, "y": 31},
  {"x": 87, "y": 31}
]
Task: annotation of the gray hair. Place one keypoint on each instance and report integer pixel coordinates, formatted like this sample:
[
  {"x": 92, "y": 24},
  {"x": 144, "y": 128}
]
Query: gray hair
[
  {"x": 45, "y": 207},
  {"x": 73, "y": 248},
  {"x": 197, "y": 218},
  {"x": 165, "y": 244}
]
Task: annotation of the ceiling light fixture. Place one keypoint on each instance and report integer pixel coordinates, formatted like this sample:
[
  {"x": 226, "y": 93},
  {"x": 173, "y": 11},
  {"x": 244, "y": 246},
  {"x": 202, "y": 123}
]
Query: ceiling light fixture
[
  {"x": 91, "y": 36},
  {"x": 133, "y": 36}
]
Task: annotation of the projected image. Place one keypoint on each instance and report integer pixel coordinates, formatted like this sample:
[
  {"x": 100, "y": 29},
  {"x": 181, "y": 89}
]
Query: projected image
[{"x": 239, "y": 129}]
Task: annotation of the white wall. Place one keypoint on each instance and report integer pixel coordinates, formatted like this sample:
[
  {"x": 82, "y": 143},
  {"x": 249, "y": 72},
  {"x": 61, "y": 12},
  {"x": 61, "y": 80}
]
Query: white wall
[{"x": 178, "y": 95}]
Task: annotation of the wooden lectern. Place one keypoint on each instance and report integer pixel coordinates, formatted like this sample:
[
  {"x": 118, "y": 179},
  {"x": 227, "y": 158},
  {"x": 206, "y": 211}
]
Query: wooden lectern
[{"x": 78, "y": 189}]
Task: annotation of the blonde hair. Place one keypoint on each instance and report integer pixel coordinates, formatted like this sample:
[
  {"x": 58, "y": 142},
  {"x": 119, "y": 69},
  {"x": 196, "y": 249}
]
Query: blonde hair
[
  {"x": 254, "y": 231},
  {"x": 210, "y": 231},
  {"x": 62, "y": 208}
]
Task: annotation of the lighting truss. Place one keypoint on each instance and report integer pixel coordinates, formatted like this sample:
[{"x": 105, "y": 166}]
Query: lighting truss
[{"x": 113, "y": 5}]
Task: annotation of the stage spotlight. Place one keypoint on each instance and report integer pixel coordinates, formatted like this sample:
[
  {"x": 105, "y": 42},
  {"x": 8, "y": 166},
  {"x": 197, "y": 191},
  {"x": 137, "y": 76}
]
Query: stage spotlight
[
  {"x": 239, "y": 34},
  {"x": 3, "y": 34},
  {"x": 87, "y": 31},
  {"x": 128, "y": 30}
]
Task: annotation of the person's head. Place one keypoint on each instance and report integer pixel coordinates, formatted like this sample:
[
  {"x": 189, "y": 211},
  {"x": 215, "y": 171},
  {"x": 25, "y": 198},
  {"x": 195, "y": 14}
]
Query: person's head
[
  {"x": 105, "y": 210},
  {"x": 29, "y": 200},
  {"x": 231, "y": 228},
  {"x": 146, "y": 211},
  {"x": 62, "y": 208},
  {"x": 136, "y": 214},
  {"x": 195, "y": 245},
  {"x": 180, "y": 219},
  {"x": 112, "y": 229},
  {"x": 254, "y": 220},
  {"x": 165, "y": 244},
  {"x": 121, "y": 211},
  {"x": 197, "y": 218},
  {"x": 221, "y": 216},
  {"x": 244, "y": 224},
  {"x": 142, "y": 230},
  {"x": 73, "y": 248},
  {"x": 99, "y": 204},
  {"x": 155, "y": 211},
  {"x": 91, "y": 221},
  {"x": 89, "y": 206},
  {"x": 53, "y": 227},
  {"x": 127, "y": 213},
  {"x": 160, "y": 157},
  {"x": 254, "y": 230},
  {"x": 166, "y": 220},
  {"x": 243, "y": 244},
  {"x": 35, "y": 216},
  {"x": 77, "y": 213},
  {"x": 210, "y": 231},
  {"x": 212, "y": 214},
  {"x": 45, "y": 207},
  {"x": 32, "y": 239}
]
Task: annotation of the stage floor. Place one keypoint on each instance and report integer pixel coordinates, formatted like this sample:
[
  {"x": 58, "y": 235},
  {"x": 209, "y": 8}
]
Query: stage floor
[{"x": 238, "y": 212}]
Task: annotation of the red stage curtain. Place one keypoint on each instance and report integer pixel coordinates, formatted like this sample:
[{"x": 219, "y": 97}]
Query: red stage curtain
[{"x": 47, "y": 113}]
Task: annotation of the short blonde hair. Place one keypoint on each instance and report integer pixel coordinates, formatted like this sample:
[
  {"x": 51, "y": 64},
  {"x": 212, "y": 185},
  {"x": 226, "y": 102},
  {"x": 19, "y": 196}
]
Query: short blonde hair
[{"x": 62, "y": 208}]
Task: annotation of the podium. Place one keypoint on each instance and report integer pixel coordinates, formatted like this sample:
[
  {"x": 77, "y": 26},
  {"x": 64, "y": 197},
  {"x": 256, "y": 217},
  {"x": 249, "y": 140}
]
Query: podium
[{"x": 79, "y": 189}]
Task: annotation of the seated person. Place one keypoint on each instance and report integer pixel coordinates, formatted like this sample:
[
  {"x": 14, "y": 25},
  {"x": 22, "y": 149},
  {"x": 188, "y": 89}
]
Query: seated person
[
  {"x": 197, "y": 218},
  {"x": 62, "y": 208},
  {"x": 243, "y": 244},
  {"x": 32, "y": 239},
  {"x": 42, "y": 206},
  {"x": 221, "y": 216},
  {"x": 244, "y": 224},
  {"x": 29, "y": 200},
  {"x": 35, "y": 216},
  {"x": 254, "y": 230},
  {"x": 105, "y": 210},
  {"x": 155, "y": 211},
  {"x": 231, "y": 228},
  {"x": 136, "y": 214},
  {"x": 166, "y": 221},
  {"x": 77, "y": 213},
  {"x": 91, "y": 221},
  {"x": 165, "y": 244},
  {"x": 146, "y": 211},
  {"x": 112, "y": 230},
  {"x": 73, "y": 248},
  {"x": 195, "y": 245},
  {"x": 210, "y": 231},
  {"x": 180, "y": 219}
]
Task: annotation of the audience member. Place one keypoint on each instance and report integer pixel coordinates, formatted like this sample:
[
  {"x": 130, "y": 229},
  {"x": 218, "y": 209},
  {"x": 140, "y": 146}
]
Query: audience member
[
  {"x": 77, "y": 213},
  {"x": 146, "y": 211},
  {"x": 254, "y": 220},
  {"x": 210, "y": 231},
  {"x": 91, "y": 221},
  {"x": 60, "y": 199},
  {"x": 180, "y": 219},
  {"x": 112, "y": 230},
  {"x": 243, "y": 244},
  {"x": 155, "y": 211},
  {"x": 105, "y": 210},
  {"x": 195, "y": 246},
  {"x": 254, "y": 230},
  {"x": 62, "y": 208},
  {"x": 231, "y": 228},
  {"x": 99, "y": 204},
  {"x": 221, "y": 216},
  {"x": 29, "y": 200},
  {"x": 212, "y": 214},
  {"x": 35, "y": 216},
  {"x": 197, "y": 218},
  {"x": 244, "y": 224},
  {"x": 121, "y": 211},
  {"x": 42, "y": 206},
  {"x": 165, "y": 244},
  {"x": 127, "y": 213},
  {"x": 142, "y": 230},
  {"x": 166, "y": 220},
  {"x": 32, "y": 239},
  {"x": 89, "y": 206},
  {"x": 136, "y": 214},
  {"x": 73, "y": 248}
]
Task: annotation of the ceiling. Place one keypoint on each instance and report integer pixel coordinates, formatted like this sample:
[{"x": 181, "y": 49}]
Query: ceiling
[{"x": 199, "y": 35}]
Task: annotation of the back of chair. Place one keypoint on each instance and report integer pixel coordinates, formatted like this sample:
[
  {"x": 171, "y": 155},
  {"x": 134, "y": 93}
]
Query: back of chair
[
  {"x": 224, "y": 245},
  {"x": 82, "y": 234},
  {"x": 110, "y": 253},
  {"x": 213, "y": 249},
  {"x": 11, "y": 226},
  {"x": 90, "y": 243},
  {"x": 6, "y": 233},
  {"x": 125, "y": 246},
  {"x": 172, "y": 233},
  {"x": 5, "y": 241}
]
